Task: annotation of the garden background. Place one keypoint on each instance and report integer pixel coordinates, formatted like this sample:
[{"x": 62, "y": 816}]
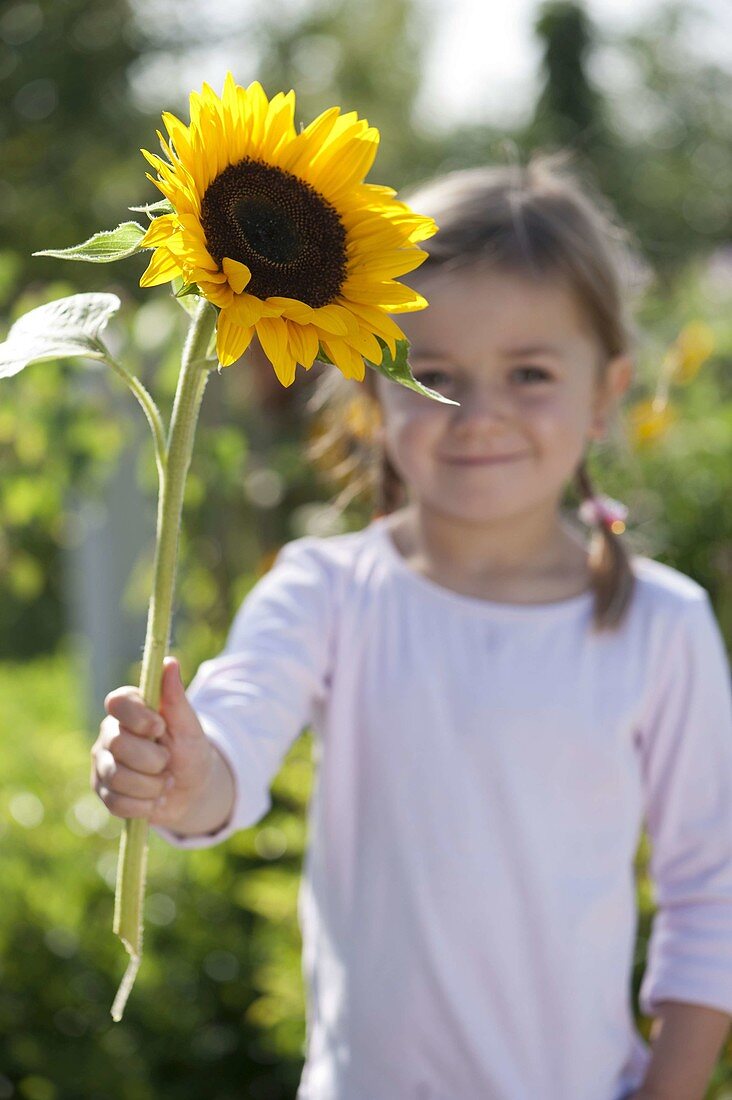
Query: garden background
[{"x": 218, "y": 1005}]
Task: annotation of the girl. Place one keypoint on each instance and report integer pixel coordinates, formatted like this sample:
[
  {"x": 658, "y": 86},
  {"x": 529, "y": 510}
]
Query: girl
[{"x": 498, "y": 708}]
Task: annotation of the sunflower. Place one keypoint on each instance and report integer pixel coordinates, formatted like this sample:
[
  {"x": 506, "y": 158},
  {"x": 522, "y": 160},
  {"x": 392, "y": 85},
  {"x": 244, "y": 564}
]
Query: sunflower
[{"x": 278, "y": 230}]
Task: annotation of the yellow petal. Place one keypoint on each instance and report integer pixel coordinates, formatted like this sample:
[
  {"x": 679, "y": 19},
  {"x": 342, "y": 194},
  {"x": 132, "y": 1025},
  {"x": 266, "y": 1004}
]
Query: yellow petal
[
  {"x": 220, "y": 294},
  {"x": 379, "y": 322},
  {"x": 272, "y": 333},
  {"x": 237, "y": 273},
  {"x": 156, "y": 162},
  {"x": 389, "y": 265},
  {"x": 366, "y": 343},
  {"x": 228, "y": 96},
  {"x": 380, "y": 191},
  {"x": 335, "y": 319},
  {"x": 175, "y": 194},
  {"x": 247, "y": 310},
  {"x": 161, "y": 269},
  {"x": 232, "y": 340},
  {"x": 196, "y": 274},
  {"x": 192, "y": 225},
  {"x": 292, "y": 309},
  {"x": 159, "y": 231},
  {"x": 369, "y": 232},
  {"x": 279, "y": 125},
  {"x": 303, "y": 343},
  {"x": 348, "y": 361},
  {"x": 393, "y": 297},
  {"x": 422, "y": 229},
  {"x": 165, "y": 146},
  {"x": 178, "y": 133},
  {"x": 309, "y": 141},
  {"x": 348, "y": 166},
  {"x": 188, "y": 250},
  {"x": 256, "y": 107}
]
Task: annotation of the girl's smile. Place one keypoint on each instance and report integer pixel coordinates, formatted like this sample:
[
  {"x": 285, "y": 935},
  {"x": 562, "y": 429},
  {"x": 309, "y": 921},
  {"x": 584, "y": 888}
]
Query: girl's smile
[{"x": 478, "y": 460}]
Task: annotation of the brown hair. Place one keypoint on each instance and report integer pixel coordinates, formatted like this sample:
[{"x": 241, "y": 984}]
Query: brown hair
[{"x": 537, "y": 219}]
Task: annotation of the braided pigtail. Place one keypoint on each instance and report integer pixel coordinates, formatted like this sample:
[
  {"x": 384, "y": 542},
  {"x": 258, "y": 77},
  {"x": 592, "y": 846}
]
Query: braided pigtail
[{"x": 612, "y": 576}]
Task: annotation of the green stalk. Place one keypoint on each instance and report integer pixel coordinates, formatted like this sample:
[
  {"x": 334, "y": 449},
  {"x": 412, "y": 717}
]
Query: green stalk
[
  {"x": 132, "y": 861},
  {"x": 149, "y": 408}
]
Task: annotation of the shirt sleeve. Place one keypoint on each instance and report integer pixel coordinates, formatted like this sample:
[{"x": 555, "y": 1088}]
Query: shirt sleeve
[
  {"x": 258, "y": 694},
  {"x": 686, "y": 747}
]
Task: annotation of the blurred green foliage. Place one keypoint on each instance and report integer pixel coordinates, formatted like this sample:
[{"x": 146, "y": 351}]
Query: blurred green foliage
[
  {"x": 69, "y": 130},
  {"x": 677, "y": 487}
]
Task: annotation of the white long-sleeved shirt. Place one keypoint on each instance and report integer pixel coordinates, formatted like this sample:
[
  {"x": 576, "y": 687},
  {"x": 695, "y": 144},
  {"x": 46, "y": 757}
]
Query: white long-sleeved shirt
[{"x": 467, "y": 904}]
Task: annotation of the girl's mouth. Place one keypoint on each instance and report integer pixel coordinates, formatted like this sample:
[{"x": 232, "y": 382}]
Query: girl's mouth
[{"x": 482, "y": 460}]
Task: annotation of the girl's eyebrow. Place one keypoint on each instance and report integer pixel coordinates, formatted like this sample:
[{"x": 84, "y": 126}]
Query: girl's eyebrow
[
  {"x": 436, "y": 356},
  {"x": 508, "y": 353},
  {"x": 532, "y": 349}
]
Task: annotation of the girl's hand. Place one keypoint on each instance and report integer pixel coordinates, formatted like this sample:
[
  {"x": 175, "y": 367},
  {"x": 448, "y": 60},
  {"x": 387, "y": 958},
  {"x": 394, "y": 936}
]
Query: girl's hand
[{"x": 151, "y": 765}]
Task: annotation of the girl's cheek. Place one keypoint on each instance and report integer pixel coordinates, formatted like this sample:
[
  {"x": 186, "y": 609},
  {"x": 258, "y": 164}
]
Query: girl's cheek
[
  {"x": 411, "y": 411},
  {"x": 549, "y": 412}
]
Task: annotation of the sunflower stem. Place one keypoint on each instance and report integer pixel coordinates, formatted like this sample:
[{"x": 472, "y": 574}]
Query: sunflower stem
[
  {"x": 152, "y": 412},
  {"x": 132, "y": 861}
]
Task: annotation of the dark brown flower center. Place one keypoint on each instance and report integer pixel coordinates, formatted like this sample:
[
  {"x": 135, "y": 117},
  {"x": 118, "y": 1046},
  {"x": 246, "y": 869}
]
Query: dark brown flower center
[{"x": 290, "y": 238}]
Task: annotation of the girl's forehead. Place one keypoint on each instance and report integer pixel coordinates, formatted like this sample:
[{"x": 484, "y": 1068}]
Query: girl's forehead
[{"x": 474, "y": 307}]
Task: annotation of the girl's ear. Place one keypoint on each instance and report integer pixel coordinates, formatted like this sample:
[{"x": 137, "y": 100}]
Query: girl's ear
[{"x": 617, "y": 376}]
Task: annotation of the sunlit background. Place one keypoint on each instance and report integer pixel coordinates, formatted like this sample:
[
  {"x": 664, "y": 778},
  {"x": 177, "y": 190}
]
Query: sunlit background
[{"x": 642, "y": 93}]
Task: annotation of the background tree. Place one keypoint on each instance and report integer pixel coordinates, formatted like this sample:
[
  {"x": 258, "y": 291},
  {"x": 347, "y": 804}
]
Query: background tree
[
  {"x": 569, "y": 110},
  {"x": 657, "y": 139},
  {"x": 68, "y": 126}
]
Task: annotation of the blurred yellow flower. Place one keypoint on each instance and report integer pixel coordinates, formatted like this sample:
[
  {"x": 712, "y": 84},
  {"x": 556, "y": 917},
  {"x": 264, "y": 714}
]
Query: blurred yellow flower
[
  {"x": 278, "y": 230},
  {"x": 692, "y": 347},
  {"x": 648, "y": 421}
]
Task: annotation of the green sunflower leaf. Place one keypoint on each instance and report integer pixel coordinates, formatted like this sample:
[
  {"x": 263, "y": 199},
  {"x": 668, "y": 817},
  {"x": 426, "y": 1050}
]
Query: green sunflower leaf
[
  {"x": 153, "y": 209},
  {"x": 187, "y": 290},
  {"x": 186, "y": 295},
  {"x": 398, "y": 370},
  {"x": 102, "y": 248},
  {"x": 68, "y": 327}
]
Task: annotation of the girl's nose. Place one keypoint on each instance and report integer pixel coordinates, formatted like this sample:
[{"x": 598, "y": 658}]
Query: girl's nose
[{"x": 482, "y": 402}]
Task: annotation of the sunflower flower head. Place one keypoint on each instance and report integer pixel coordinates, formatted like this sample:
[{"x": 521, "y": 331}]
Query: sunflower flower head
[{"x": 278, "y": 230}]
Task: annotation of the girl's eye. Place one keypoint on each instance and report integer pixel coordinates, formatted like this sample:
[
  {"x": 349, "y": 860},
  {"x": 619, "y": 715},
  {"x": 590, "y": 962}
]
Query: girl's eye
[
  {"x": 532, "y": 374},
  {"x": 432, "y": 379}
]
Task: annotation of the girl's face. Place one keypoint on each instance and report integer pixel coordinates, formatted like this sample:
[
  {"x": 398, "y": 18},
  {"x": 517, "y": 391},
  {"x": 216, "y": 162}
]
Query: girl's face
[{"x": 524, "y": 365}]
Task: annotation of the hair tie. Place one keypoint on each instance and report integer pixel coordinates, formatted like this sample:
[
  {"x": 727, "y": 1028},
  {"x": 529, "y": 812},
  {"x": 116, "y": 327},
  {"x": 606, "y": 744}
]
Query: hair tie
[{"x": 599, "y": 510}]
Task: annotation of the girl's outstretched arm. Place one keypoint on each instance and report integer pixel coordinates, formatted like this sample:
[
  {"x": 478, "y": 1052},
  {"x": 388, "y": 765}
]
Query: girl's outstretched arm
[
  {"x": 686, "y": 1043},
  {"x": 255, "y": 697}
]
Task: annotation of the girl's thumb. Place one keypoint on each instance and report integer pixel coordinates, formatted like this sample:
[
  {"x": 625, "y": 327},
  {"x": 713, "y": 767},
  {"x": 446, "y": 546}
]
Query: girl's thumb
[{"x": 173, "y": 700}]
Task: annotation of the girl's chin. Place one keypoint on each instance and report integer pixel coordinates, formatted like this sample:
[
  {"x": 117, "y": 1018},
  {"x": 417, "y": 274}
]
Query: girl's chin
[{"x": 468, "y": 511}]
